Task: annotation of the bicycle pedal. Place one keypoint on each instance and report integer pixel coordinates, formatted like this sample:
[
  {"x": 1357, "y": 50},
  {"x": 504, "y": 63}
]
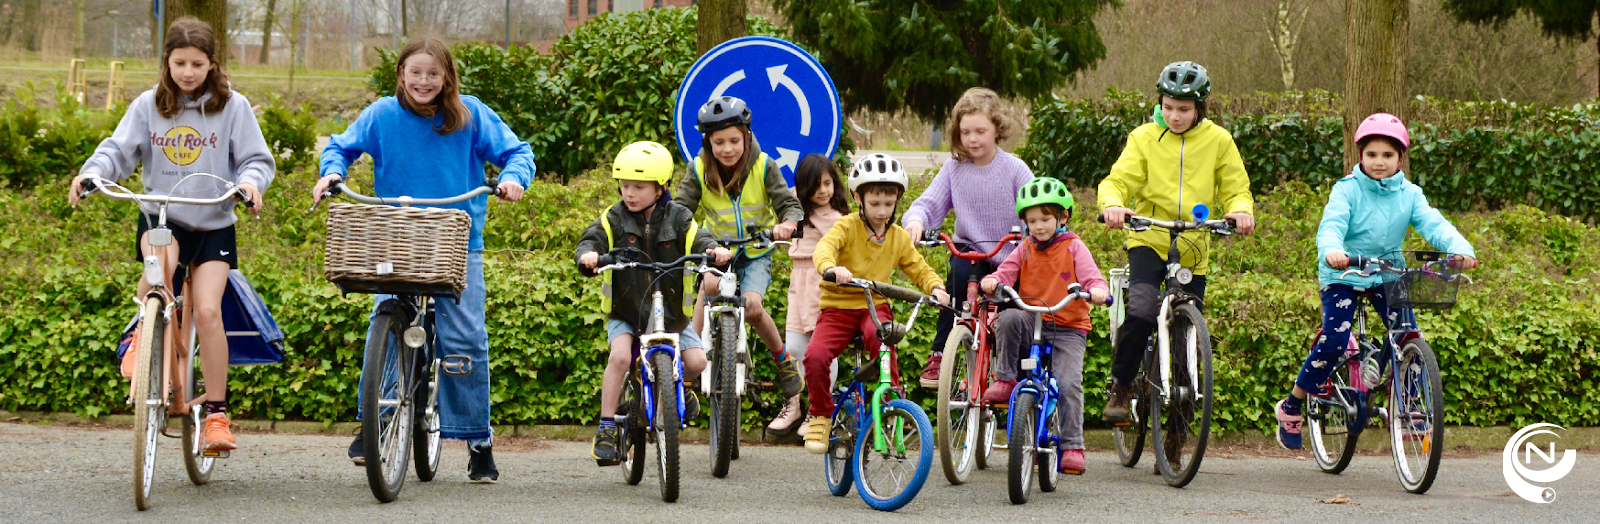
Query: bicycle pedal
[
  {"x": 456, "y": 365},
  {"x": 1122, "y": 424},
  {"x": 215, "y": 454}
]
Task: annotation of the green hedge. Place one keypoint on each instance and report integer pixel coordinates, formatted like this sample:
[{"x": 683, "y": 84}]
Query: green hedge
[
  {"x": 1520, "y": 347},
  {"x": 1466, "y": 155}
]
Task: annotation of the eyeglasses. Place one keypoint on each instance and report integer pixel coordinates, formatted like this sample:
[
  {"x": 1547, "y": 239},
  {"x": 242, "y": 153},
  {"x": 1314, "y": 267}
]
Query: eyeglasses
[{"x": 418, "y": 76}]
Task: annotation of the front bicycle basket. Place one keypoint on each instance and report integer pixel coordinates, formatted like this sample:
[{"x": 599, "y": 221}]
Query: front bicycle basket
[
  {"x": 397, "y": 250},
  {"x": 1432, "y": 285}
]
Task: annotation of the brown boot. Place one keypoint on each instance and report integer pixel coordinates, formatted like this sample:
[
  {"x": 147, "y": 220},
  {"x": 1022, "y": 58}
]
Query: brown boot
[{"x": 1117, "y": 410}]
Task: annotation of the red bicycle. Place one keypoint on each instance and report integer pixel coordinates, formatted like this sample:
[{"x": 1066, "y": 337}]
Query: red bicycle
[{"x": 964, "y": 420}]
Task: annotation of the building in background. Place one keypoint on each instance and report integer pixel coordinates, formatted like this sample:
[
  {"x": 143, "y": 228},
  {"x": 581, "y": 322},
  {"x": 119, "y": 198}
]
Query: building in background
[{"x": 580, "y": 11}]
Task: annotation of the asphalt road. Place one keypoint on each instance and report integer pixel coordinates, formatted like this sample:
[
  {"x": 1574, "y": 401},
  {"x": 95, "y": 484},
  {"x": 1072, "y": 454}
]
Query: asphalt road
[{"x": 81, "y": 474}]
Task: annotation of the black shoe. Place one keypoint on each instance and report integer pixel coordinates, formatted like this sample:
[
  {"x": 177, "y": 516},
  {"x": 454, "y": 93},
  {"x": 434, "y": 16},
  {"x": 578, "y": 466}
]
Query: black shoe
[
  {"x": 790, "y": 378},
  {"x": 480, "y": 465},
  {"x": 605, "y": 448},
  {"x": 691, "y": 405},
  {"x": 358, "y": 452}
]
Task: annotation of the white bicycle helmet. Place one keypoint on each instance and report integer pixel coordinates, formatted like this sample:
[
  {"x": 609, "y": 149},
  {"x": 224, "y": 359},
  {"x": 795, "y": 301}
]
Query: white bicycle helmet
[{"x": 877, "y": 167}]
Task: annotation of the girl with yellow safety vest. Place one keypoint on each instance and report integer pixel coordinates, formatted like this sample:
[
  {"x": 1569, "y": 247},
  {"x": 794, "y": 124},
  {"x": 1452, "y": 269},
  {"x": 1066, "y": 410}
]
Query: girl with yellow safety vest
[{"x": 732, "y": 186}]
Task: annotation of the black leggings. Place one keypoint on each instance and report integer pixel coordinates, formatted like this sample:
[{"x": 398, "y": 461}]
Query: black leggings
[
  {"x": 956, "y": 284},
  {"x": 1146, "y": 274}
]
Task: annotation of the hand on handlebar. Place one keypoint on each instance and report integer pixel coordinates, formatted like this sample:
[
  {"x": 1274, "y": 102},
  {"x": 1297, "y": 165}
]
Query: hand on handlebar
[
  {"x": 510, "y": 191},
  {"x": 1464, "y": 261},
  {"x": 78, "y": 187},
  {"x": 941, "y": 296},
  {"x": 1244, "y": 223},
  {"x": 589, "y": 260},
  {"x": 915, "y": 228},
  {"x": 839, "y": 274},
  {"x": 782, "y": 232},
  {"x": 721, "y": 254},
  {"x": 1338, "y": 260},
  {"x": 252, "y": 198},
  {"x": 1115, "y": 216},
  {"x": 988, "y": 285},
  {"x": 323, "y": 186},
  {"x": 1098, "y": 295}
]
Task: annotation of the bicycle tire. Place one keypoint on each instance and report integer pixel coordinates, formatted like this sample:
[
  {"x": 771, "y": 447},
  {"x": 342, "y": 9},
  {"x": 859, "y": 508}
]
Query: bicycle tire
[
  {"x": 631, "y": 427},
  {"x": 667, "y": 424},
  {"x": 988, "y": 431},
  {"x": 1050, "y": 463},
  {"x": 838, "y": 465},
  {"x": 1130, "y": 439},
  {"x": 1419, "y": 368},
  {"x": 724, "y": 399},
  {"x": 386, "y": 472},
  {"x": 149, "y": 408},
  {"x": 1182, "y": 423},
  {"x": 956, "y": 432},
  {"x": 1022, "y": 447},
  {"x": 1333, "y": 433},
  {"x": 195, "y": 463},
  {"x": 895, "y": 416},
  {"x": 426, "y": 444}
]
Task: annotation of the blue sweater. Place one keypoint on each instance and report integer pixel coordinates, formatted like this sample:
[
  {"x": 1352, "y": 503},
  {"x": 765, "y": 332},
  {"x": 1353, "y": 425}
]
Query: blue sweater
[
  {"x": 410, "y": 159},
  {"x": 1371, "y": 217}
]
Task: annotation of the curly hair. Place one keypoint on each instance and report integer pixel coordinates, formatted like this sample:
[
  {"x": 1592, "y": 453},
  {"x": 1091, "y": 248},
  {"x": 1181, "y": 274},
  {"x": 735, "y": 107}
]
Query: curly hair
[{"x": 977, "y": 100}]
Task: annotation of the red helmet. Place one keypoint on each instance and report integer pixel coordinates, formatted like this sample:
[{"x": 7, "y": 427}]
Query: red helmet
[{"x": 1384, "y": 124}]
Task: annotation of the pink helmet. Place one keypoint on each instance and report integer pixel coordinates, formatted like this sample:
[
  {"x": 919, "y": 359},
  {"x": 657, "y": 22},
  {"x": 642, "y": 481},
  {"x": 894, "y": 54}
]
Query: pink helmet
[{"x": 1384, "y": 124}]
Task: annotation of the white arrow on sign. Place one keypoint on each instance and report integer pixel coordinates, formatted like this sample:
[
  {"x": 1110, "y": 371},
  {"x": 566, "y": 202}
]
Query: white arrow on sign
[
  {"x": 776, "y": 76},
  {"x": 788, "y": 158},
  {"x": 722, "y": 87}
]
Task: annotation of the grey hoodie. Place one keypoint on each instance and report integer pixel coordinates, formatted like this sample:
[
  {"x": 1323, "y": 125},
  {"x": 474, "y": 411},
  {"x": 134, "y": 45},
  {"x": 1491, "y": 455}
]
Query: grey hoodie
[{"x": 227, "y": 144}]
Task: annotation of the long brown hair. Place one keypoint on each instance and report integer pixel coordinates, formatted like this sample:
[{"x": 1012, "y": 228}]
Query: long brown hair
[
  {"x": 975, "y": 100},
  {"x": 448, "y": 101},
  {"x": 808, "y": 179},
  {"x": 189, "y": 32},
  {"x": 728, "y": 180}
]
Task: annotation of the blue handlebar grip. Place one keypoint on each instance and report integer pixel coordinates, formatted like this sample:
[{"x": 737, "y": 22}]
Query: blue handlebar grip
[{"x": 1111, "y": 300}]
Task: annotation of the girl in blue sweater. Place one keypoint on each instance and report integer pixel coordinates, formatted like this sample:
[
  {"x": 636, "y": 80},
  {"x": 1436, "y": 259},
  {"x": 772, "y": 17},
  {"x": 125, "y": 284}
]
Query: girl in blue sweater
[
  {"x": 1368, "y": 213},
  {"x": 430, "y": 141}
]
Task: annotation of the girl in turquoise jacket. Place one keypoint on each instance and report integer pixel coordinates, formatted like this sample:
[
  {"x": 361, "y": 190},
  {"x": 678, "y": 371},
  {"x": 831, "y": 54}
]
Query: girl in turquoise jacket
[{"x": 1368, "y": 213}]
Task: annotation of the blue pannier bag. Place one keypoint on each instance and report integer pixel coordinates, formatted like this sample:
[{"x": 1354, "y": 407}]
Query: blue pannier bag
[{"x": 253, "y": 336}]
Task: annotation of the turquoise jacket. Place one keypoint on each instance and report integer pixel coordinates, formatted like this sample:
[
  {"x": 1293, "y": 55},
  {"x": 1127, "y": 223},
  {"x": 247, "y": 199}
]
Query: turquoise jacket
[{"x": 1370, "y": 217}]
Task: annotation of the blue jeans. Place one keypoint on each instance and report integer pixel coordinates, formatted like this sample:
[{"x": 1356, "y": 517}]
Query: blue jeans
[
  {"x": 1338, "y": 320},
  {"x": 461, "y": 330},
  {"x": 755, "y": 274}
]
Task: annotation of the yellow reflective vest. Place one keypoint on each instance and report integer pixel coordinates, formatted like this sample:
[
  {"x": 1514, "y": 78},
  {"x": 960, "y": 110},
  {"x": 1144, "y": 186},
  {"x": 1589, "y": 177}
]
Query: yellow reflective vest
[
  {"x": 689, "y": 291},
  {"x": 728, "y": 217}
]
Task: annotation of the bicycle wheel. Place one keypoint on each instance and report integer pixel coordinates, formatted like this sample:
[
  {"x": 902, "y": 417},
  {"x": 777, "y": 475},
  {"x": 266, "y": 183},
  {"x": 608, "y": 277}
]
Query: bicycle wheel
[
  {"x": 1022, "y": 445},
  {"x": 988, "y": 431},
  {"x": 1050, "y": 461},
  {"x": 957, "y": 432},
  {"x": 1130, "y": 439},
  {"x": 1416, "y": 416},
  {"x": 890, "y": 479},
  {"x": 838, "y": 465},
  {"x": 631, "y": 427},
  {"x": 195, "y": 463},
  {"x": 666, "y": 424},
  {"x": 386, "y": 407},
  {"x": 149, "y": 405},
  {"x": 724, "y": 394},
  {"x": 1334, "y": 430},
  {"x": 425, "y": 442},
  {"x": 1181, "y": 443}
]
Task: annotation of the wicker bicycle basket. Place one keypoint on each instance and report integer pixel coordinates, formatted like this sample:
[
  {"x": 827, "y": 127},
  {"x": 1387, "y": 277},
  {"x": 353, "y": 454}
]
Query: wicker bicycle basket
[
  {"x": 397, "y": 250},
  {"x": 1434, "y": 288}
]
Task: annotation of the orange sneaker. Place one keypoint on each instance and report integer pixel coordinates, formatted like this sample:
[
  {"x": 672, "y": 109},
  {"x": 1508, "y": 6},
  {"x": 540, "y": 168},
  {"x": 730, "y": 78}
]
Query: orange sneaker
[{"x": 216, "y": 436}]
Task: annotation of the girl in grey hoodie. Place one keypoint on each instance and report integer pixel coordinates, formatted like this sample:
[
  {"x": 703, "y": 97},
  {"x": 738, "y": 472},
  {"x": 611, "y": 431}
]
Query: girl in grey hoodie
[{"x": 192, "y": 122}]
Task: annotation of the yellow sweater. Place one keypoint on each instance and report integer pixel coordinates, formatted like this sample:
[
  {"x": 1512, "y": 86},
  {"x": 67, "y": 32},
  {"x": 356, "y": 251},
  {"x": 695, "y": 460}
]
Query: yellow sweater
[{"x": 849, "y": 244}]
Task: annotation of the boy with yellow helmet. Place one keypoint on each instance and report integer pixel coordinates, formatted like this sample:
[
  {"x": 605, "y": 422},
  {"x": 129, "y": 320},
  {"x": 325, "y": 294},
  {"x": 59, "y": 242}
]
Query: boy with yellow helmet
[{"x": 648, "y": 220}]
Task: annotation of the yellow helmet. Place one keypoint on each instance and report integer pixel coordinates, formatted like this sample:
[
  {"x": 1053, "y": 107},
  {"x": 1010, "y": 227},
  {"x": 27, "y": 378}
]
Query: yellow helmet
[{"x": 647, "y": 161}]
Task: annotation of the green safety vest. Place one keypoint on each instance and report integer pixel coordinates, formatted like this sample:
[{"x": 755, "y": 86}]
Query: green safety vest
[
  {"x": 689, "y": 290},
  {"x": 727, "y": 217}
]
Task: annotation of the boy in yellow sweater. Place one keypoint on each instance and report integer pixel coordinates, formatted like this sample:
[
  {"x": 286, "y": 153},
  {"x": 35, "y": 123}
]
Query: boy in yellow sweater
[{"x": 866, "y": 245}]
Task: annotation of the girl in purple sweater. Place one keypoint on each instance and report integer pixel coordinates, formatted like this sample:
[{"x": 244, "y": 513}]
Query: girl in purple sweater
[{"x": 979, "y": 183}]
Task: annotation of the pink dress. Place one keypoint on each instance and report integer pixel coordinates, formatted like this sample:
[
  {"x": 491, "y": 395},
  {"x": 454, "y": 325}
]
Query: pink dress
[{"x": 805, "y": 285}]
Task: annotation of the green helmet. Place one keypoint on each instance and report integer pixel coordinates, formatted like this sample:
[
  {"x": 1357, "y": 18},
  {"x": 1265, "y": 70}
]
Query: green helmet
[{"x": 1043, "y": 190}]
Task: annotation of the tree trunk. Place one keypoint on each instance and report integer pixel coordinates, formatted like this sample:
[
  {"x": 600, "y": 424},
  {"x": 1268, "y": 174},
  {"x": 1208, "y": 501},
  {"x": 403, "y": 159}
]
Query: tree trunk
[
  {"x": 266, "y": 32},
  {"x": 212, "y": 12},
  {"x": 77, "y": 39},
  {"x": 295, "y": 6},
  {"x": 30, "y": 24},
  {"x": 1376, "y": 40},
  {"x": 720, "y": 21}
]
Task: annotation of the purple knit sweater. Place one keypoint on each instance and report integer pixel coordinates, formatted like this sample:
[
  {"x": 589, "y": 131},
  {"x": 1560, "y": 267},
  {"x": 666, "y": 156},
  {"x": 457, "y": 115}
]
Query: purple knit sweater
[{"x": 983, "y": 198}]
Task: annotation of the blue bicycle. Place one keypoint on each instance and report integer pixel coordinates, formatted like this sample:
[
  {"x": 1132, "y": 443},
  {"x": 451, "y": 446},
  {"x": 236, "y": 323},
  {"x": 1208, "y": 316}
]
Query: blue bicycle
[{"x": 1031, "y": 421}]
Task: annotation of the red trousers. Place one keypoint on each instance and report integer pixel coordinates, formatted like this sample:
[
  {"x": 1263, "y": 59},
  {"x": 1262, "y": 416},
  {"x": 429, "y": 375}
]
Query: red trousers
[{"x": 836, "y": 328}]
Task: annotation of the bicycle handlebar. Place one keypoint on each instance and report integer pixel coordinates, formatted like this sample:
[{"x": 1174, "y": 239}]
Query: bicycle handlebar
[
  {"x": 1224, "y": 226},
  {"x": 102, "y": 186},
  {"x": 615, "y": 260},
  {"x": 1074, "y": 292},
  {"x": 932, "y": 238},
  {"x": 1369, "y": 266},
  {"x": 490, "y": 186},
  {"x": 762, "y": 239},
  {"x": 882, "y": 288}
]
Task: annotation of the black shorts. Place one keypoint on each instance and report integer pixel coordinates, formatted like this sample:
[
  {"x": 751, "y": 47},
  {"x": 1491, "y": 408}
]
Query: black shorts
[{"x": 194, "y": 247}]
